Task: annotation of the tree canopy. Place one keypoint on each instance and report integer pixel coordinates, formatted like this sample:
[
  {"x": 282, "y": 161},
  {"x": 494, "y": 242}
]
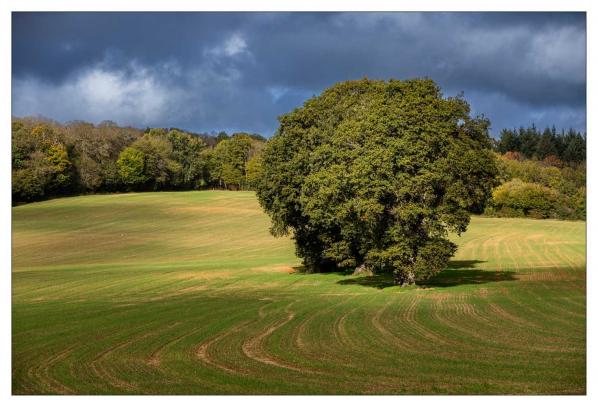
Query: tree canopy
[
  {"x": 376, "y": 174},
  {"x": 230, "y": 159}
]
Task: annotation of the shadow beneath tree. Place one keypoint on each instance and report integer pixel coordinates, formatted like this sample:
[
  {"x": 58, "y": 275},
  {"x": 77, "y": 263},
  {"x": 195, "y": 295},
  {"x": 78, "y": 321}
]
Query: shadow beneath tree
[
  {"x": 323, "y": 270},
  {"x": 379, "y": 281},
  {"x": 464, "y": 272},
  {"x": 458, "y": 272}
]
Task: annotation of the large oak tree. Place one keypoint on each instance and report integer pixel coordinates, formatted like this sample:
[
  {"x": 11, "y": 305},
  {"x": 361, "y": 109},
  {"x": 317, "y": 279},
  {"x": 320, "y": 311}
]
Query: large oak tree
[{"x": 376, "y": 174}]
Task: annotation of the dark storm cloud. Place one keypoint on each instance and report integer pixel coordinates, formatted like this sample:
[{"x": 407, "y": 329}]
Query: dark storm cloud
[{"x": 236, "y": 71}]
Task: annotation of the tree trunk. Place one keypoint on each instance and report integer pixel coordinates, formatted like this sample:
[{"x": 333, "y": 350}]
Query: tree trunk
[
  {"x": 363, "y": 270},
  {"x": 405, "y": 278}
]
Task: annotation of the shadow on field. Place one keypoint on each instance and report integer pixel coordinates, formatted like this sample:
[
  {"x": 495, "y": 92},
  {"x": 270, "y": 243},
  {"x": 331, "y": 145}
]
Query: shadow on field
[
  {"x": 463, "y": 272},
  {"x": 379, "y": 281},
  {"x": 458, "y": 272}
]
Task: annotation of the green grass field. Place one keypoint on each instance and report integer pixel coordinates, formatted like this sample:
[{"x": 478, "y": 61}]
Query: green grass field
[{"x": 187, "y": 293}]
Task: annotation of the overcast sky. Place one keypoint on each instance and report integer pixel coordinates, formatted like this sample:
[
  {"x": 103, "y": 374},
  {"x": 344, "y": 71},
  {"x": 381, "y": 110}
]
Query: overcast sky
[{"x": 239, "y": 71}]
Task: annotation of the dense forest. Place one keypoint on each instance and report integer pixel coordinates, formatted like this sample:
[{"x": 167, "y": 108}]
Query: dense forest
[
  {"x": 542, "y": 174},
  {"x": 50, "y": 159}
]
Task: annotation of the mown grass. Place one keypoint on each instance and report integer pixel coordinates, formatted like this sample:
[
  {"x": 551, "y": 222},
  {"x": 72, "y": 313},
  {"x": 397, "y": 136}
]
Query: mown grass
[{"x": 187, "y": 293}]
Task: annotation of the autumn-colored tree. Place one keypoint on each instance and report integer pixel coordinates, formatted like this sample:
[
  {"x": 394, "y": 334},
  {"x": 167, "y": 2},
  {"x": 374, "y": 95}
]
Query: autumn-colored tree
[
  {"x": 131, "y": 163},
  {"x": 518, "y": 198},
  {"x": 41, "y": 163}
]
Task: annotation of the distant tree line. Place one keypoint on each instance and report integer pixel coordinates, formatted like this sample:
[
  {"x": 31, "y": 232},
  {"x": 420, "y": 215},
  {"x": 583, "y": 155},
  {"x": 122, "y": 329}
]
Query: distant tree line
[
  {"x": 567, "y": 147},
  {"x": 541, "y": 174},
  {"x": 50, "y": 159}
]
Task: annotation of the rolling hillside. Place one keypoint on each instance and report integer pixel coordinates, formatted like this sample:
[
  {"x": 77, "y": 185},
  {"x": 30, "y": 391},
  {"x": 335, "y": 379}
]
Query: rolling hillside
[{"x": 187, "y": 293}]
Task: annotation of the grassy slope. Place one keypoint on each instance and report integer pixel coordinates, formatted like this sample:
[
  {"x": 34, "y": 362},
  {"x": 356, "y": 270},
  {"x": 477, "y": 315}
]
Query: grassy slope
[{"x": 188, "y": 293}]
